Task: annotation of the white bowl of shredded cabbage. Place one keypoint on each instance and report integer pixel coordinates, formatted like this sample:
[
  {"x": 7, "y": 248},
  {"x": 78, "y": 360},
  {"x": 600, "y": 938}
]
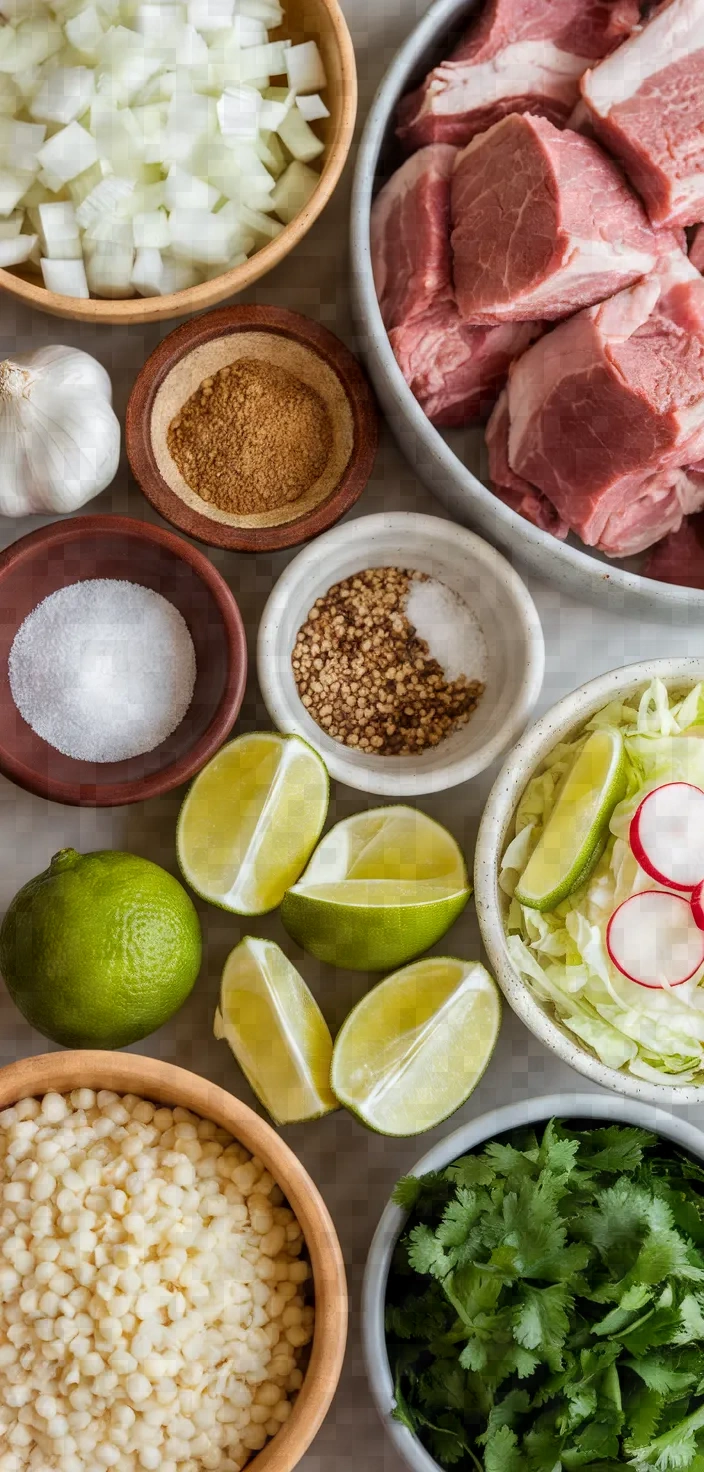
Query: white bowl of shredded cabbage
[{"x": 553, "y": 966}]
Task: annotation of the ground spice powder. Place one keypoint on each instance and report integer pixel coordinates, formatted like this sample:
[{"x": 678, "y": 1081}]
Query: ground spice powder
[
  {"x": 251, "y": 438},
  {"x": 366, "y": 677}
]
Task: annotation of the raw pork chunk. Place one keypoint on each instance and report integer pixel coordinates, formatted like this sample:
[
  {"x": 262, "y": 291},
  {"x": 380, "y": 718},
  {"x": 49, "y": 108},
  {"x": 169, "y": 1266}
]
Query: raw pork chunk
[
  {"x": 680, "y": 558},
  {"x": 544, "y": 223},
  {"x": 696, "y": 250},
  {"x": 605, "y": 415},
  {"x": 647, "y": 105},
  {"x": 454, "y": 371},
  {"x": 521, "y": 56}
]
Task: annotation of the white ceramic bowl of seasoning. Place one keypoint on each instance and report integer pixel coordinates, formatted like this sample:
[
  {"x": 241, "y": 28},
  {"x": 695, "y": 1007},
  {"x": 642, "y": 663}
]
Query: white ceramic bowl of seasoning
[
  {"x": 596, "y": 1109},
  {"x": 471, "y": 569},
  {"x": 562, "y": 723}
]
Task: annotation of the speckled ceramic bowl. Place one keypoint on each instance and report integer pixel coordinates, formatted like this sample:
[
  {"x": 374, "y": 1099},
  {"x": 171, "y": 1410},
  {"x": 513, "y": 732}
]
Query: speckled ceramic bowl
[
  {"x": 451, "y": 462},
  {"x": 596, "y": 1108},
  {"x": 566, "y": 719},
  {"x": 478, "y": 575}
]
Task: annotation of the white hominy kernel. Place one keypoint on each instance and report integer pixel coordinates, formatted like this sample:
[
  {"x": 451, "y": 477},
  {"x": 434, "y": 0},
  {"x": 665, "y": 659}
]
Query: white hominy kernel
[{"x": 152, "y": 1214}]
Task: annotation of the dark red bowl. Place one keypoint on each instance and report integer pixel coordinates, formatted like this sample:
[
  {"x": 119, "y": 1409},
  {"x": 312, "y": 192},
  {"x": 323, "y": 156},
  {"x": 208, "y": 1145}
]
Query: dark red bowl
[{"x": 118, "y": 547}]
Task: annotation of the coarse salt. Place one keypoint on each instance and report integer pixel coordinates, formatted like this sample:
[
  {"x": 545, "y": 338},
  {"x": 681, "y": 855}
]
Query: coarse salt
[
  {"x": 103, "y": 670},
  {"x": 450, "y": 629}
]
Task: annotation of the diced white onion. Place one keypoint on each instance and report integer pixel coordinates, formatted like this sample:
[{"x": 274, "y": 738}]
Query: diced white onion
[
  {"x": 148, "y": 271},
  {"x": 210, "y": 15},
  {"x": 64, "y": 94},
  {"x": 68, "y": 153},
  {"x": 184, "y": 191},
  {"x": 299, "y": 138},
  {"x": 304, "y": 67},
  {"x": 105, "y": 199},
  {"x": 13, "y": 186},
  {"x": 247, "y": 31},
  {"x": 109, "y": 269},
  {"x": 198, "y": 236},
  {"x": 151, "y": 230},
  {"x": 16, "y": 252},
  {"x": 312, "y": 108},
  {"x": 66, "y": 278},
  {"x": 238, "y": 113},
  {"x": 85, "y": 32},
  {"x": 11, "y": 227},
  {"x": 293, "y": 190}
]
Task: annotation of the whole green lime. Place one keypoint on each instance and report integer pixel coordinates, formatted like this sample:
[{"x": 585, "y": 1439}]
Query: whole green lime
[{"x": 100, "y": 949}]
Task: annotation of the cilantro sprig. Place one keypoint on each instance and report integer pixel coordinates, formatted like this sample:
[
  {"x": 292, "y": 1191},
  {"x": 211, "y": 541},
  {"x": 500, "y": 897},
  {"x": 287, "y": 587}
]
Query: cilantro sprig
[{"x": 545, "y": 1308}]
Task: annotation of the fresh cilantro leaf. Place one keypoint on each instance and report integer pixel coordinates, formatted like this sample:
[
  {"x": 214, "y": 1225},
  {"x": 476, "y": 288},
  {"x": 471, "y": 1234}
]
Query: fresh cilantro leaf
[
  {"x": 661, "y": 1376},
  {"x": 425, "y": 1253},
  {"x": 470, "y": 1170},
  {"x": 506, "y": 1412},
  {"x": 414, "y": 1191},
  {"x": 502, "y": 1453},
  {"x": 613, "y": 1149},
  {"x": 541, "y": 1319}
]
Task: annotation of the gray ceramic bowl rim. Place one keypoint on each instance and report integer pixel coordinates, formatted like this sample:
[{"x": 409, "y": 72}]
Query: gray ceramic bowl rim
[
  {"x": 533, "y": 546},
  {"x": 567, "y": 715},
  {"x": 512, "y": 1116}
]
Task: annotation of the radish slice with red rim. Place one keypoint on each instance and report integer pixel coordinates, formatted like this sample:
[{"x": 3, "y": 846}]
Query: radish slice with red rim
[
  {"x": 667, "y": 835},
  {"x": 698, "y": 905},
  {"x": 653, "y": 939}
]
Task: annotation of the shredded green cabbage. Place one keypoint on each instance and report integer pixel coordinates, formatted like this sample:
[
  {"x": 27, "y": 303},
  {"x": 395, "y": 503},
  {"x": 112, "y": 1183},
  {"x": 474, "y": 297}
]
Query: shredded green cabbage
[{"x": 657, "y": 1035}]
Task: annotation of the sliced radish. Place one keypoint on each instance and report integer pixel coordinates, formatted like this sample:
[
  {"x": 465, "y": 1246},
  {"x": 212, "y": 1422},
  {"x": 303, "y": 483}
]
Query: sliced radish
[
  {"x": 653, "y": 939},
  {"x": 667, "y": 835},
  {"x": 698, "y": 905}
]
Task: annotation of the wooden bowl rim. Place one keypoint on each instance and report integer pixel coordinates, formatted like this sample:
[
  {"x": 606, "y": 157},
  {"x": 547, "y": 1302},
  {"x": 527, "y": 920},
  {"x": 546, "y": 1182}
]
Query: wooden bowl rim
[
  {"x": 196, "y": 298},
  {"x": 133, "y": 1073},
  {"x": 115, "y": 794},
  {"x": 224, "y": 322}
]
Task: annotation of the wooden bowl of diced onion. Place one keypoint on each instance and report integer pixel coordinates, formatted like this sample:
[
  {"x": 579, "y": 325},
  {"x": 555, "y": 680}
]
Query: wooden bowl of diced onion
[
  {"x": 318, "y": 21},
  {"x": 163, "y": 1084}
]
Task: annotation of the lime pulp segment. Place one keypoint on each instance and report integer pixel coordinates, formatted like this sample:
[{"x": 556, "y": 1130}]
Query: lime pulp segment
[
  {"x": 414, "y": 1048},
  {"x": 276, "y": 1031},
  {"x": 250, "y": 821}
]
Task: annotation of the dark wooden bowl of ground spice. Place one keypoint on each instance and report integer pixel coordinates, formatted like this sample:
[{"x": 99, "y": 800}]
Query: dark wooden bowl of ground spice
[{"x": 252, "y": 428}]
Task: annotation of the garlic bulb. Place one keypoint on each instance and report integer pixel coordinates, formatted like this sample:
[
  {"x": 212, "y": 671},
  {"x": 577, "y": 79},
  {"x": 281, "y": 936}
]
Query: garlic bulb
[{"x": 59, "y": 436}]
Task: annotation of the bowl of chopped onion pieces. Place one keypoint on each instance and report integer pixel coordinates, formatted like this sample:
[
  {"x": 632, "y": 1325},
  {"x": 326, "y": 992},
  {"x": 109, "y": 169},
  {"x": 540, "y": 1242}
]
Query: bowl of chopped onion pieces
[{"x": 154, "y": 165}]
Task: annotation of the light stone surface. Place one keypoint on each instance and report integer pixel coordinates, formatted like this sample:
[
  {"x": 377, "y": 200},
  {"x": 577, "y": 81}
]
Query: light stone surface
[{"x": 354, "y": 1169}]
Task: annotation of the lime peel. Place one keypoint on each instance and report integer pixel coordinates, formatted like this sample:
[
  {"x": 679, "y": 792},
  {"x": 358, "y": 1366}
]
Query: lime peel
[{"x": 382, "y": 887}]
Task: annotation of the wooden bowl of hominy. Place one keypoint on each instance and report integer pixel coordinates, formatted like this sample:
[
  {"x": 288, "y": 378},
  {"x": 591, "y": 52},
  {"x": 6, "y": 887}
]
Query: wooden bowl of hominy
[{"x": 163, "y": 1084}]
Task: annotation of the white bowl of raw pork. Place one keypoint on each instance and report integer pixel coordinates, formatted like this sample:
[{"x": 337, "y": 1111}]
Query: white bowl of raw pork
[{"x": 614, "y": 284}]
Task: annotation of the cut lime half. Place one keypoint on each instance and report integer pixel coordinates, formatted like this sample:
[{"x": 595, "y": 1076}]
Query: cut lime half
[
  {"x": 380, "y": 888},
  {"x": 276, "y": 1031},
  {"x": 411, "y": 1052},
  {"x": 250, "y": 821},
  {"x": 573, "y": 836}
]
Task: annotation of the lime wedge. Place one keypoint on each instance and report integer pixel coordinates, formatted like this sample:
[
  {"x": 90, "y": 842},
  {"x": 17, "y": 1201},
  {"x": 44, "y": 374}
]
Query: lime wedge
[
  {"x": 276, "y": 1031},
  {"x": 573, "y": 837},
  {"x": 413, "y": 1049},
  {"x": 380, "y": 888},
  {"x": 250, "y": 821}
]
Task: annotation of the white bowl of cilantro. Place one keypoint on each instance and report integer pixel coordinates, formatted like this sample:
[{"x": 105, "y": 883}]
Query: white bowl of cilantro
[
  {"x": 534, "y": 1293},
  {"x": 616, "y": 992}
]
